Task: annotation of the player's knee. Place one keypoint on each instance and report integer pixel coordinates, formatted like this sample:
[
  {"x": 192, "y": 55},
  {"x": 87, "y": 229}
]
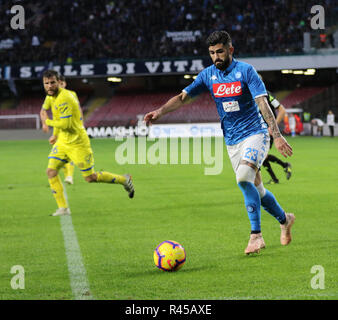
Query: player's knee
[
  {"x": 91, "y": 178},
  {"x": 245, "y": 173},
  {"x": 261, "y": 190},
  {"x": 51, "y": 173}
]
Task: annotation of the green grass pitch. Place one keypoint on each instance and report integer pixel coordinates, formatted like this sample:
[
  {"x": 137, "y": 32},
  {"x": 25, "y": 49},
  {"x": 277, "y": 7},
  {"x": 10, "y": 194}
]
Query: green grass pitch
[{"x": 205, "y": 213}]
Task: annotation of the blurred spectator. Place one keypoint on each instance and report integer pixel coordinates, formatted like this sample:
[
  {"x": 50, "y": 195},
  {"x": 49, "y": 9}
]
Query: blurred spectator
[
  {"x": 131, "y": 29},
  {"x": 330, "y": 121},
  {"x": 35, "y": 41},
  {"x": 331, "y": 39},
  {"x": 319, "y": 124},
  {"x": 322, "y": 38},
  {"x": 306, "y": 116},
  {"x": 292, "y": 124}
]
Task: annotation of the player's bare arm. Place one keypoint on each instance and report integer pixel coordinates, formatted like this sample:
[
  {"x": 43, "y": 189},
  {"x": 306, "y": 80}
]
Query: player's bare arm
[
  {"x": 44, "y": 117},
  {"x": 281, "y": 114},
  {"x": 173, "y": 104},
  {"x": 281, "y": 144}
]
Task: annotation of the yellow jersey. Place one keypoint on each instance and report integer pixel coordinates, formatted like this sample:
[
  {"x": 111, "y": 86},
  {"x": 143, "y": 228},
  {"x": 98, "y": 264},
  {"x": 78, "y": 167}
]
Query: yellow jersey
[
  {"x": 48, "y": 100},
  {"x": 67, "y": 117}
]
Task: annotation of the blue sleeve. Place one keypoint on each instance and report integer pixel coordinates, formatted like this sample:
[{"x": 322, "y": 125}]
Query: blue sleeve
[
  {"x": 197, "y": 87},
  {"x": 255, "y": 84}
]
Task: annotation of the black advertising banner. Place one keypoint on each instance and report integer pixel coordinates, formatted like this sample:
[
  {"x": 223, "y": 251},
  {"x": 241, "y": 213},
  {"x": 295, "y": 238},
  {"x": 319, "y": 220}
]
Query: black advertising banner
[{"x": 101, "y": 69}]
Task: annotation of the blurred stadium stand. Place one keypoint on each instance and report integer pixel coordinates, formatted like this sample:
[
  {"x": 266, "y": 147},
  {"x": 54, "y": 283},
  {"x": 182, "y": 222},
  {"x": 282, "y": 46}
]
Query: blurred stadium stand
[
  {"x": 66, "y": 32},
  {"x": 26, "y": 105},
  {"x": 300, "y": 95},
  {"x": 123, "y": 110}
]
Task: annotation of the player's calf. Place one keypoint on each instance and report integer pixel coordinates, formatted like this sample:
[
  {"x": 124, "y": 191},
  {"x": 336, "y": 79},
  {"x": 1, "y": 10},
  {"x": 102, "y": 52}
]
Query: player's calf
[
  {"x": 245, "y": 176},
  {"x": 57, "y": 191},
  {"x": 107, "y": 177}
]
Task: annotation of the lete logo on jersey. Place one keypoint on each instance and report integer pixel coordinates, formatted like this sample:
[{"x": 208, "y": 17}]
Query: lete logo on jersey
[{"x": 230, "y": 89}]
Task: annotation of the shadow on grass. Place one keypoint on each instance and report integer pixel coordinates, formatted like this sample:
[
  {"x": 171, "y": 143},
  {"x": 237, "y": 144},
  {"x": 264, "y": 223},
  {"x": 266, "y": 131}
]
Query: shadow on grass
[{"x": 155, "y": 271}]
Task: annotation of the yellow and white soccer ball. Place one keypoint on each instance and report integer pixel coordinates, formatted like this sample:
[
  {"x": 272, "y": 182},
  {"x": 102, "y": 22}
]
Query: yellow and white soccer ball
[{"x": 169, "y": 256}]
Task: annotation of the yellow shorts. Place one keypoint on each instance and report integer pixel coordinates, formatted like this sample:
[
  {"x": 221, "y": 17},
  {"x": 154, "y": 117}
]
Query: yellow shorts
[{"x": 80, "y": 154}]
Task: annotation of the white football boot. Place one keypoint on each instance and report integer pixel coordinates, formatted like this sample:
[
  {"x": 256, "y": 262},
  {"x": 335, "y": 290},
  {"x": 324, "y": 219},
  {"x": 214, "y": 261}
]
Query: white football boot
[
  {"x": 256, "y": 243},
  {"x": 69, "y": 180},
  {"x": 61, "y": 212},
  {"x": 285, "y": 236},
  {"x": 128, "y": 186}
]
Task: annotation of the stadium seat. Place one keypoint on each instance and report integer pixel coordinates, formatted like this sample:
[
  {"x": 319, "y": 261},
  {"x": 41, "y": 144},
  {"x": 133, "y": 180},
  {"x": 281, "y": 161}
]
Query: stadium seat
[
  {"x": 300, "y": 95},
  {"x": 123, "y": 110}
]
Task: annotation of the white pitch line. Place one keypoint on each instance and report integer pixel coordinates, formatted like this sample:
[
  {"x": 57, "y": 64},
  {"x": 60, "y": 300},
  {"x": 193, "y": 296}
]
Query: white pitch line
[{"x": 77, "y": 271}]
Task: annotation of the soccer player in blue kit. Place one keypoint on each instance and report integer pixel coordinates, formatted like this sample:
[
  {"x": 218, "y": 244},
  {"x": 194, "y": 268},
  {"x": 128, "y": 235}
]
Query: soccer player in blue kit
[{"x": 240, "y": 94}]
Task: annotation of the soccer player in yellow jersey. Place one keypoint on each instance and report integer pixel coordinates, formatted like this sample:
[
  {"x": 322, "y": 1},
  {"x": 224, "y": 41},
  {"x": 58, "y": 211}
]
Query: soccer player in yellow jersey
[
  {"x": 68, "y": 168},
  {"x": 71, "y": 143}
]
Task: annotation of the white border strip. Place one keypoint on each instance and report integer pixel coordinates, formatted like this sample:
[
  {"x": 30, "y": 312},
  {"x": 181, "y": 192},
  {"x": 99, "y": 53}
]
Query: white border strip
[{"x": 286, "y": 297}]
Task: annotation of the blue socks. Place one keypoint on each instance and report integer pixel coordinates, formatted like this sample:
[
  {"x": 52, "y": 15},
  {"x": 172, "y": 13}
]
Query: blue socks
[
  {"x": 252, "y": 203},
  {"x": 270, "y": 204}
]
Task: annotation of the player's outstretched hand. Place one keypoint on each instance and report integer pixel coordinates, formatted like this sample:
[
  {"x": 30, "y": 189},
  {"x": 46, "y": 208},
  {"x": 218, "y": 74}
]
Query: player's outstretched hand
[
  {"x": 151, "y": 117},
  {"x": 283, "y": 147},
  {"x": 52, "y": 139},
  {"x": 45, "y": 128}
]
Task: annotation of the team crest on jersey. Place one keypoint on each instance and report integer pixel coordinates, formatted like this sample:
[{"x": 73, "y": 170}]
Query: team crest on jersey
[
  {"x": 88, "y": 158},
  {"x": 238, "y": 74},
  {"x": 230, "y": 89},
  {"x": 213, "y": 77}
]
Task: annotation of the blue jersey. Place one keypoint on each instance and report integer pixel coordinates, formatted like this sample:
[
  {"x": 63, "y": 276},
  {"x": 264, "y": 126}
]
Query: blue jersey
[{"x": 234, "y": 91}]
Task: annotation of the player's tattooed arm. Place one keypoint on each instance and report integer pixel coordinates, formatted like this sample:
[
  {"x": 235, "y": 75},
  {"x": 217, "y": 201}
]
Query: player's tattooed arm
[
  {"x": 281, "y": 144},
  {"x": 268, "y": 116}
]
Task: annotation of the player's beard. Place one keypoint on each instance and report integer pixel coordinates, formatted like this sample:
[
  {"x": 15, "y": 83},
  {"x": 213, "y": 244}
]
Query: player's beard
[
  {"x": 223, "y": 64},
  {"x": 54, "y": 92}
]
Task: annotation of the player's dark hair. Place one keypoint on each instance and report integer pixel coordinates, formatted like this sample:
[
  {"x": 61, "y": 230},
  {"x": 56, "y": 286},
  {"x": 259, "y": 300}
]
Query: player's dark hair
[
  {"x": 50, "y": 74},
  {"x": 219, "y": 37},
  {"x": 62, "y": 78}
]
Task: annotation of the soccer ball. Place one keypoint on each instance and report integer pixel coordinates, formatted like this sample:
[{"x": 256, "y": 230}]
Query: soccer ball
[{"x": 169, "y": 256}]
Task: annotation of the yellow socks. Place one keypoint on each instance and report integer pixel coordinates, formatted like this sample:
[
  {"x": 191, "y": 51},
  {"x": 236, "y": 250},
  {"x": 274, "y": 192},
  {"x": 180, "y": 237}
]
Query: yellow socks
[
  {"x": 102, "y": 176},
  {"x": 68, "y": 169},
  {"x": 57, "y": 190},
  {"x": 107, "y": 177}
]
